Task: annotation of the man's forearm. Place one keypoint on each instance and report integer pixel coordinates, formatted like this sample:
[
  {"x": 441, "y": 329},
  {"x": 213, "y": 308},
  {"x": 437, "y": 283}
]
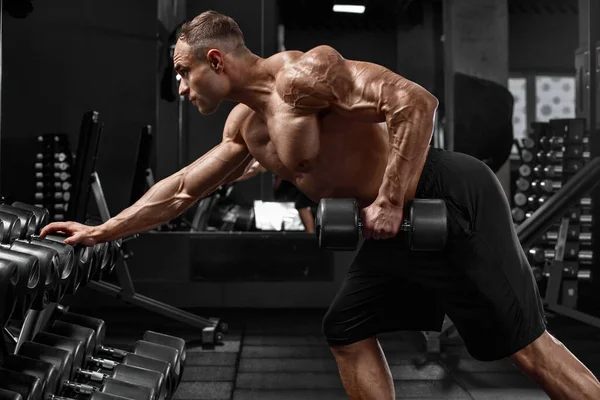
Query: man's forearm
[
  {"x": 161, "y": 203},
  {"x": 410, "y": 129}
]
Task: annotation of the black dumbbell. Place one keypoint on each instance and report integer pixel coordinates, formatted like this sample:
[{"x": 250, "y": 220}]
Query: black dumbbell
[
  {"x": 42, "y": 215},
  {"x": 338, "y": 224},
  {"x": 46, "y": 372},
  {"x": 29, "y": 284},
  {"x": 49, "y": 267},
  {"x": 66, "y": 255},
  {"x": 132, "y": 374},
  {"x": 110, "y": 386},
  {"x": 160, "y": 358},
  {"x": 85, "y": 259},
  {"x": 60, "y": 358},
  {"x": 11, "y": 227},
  {"x": 9, "y": 279},
  {"x": 74, "y": 350},
  {"x": 29, "y": 387},
  {"x": 145, "y": 354},
  {"x": 27, "y": 218},
  {"x": 9, "y": 395}
]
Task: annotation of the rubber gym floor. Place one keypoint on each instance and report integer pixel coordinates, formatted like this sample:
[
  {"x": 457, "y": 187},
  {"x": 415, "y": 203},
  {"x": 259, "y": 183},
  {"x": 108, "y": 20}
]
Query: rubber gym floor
[{"x": 282, "y": 355}]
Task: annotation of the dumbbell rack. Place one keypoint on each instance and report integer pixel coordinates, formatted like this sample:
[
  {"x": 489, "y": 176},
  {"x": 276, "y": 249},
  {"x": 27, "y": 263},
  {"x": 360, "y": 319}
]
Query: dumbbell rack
[
  {"x": 87, "y": 181},
  {"x": 551, "y": 154},
  {"x": 53, "y": 165}
]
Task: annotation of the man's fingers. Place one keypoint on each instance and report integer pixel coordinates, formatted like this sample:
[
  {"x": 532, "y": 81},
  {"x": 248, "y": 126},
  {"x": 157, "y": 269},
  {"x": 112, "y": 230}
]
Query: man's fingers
[{"x": 53, "y": 227}]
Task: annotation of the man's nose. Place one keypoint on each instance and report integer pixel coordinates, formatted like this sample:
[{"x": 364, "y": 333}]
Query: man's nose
[{"x": 183, "y": 88}]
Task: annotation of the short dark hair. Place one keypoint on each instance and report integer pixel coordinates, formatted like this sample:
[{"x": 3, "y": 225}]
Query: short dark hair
[{"x": 212, "y": 29}]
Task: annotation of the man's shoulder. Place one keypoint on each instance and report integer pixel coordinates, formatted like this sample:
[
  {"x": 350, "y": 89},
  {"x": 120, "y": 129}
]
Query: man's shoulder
[{"x": 290, "y": 60}]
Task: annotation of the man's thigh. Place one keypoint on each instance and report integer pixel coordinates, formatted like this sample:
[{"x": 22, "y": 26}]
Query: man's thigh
[{"x": 377, "y": 296}]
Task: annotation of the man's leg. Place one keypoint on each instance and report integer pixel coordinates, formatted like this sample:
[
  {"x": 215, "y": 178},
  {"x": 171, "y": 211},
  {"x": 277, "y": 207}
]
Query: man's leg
[
  {"x": 550, "y": 364},
  {"x": 364, "y": 370}
]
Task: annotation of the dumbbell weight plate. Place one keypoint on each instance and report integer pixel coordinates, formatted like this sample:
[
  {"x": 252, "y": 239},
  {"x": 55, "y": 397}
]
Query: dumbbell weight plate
[
  {"x": 162, "y": 353},
  {"x": 84, "y": 257},
  {"x": 124, "y": 389},
  {"x": 27, "y": 386},
  {"x": 27, "y": 218},
  {"x": 337, "y": 224},
  {"x": 86, "y": 336},
  {"x": 134, "y": 375},
  {"x": 48, "y": 268},
  {"x": 9, "y": 395},
  {"x": 29, "y": 280},
  {"x": 170, "y": 341},
  {"x": 66, "y": 256},
  {"x": 428, "y": 224},
  {"x": 61, "y": 359},
  {"x": 74, "y": 347},
  {"x": 11, "y": 227},
  {"x": 42, "y": 215},
  {"x": 9, "y": 279},
  {"x": 46, "y": 372},
  {"x": 142, "y": 377}
]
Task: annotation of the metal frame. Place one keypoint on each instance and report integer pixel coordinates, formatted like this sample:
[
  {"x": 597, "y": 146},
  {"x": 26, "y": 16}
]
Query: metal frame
[{"x": 212, "y": 329}]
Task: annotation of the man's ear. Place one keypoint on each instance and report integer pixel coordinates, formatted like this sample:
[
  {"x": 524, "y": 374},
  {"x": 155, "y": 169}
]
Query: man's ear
[{"x": 215, "y": 60}]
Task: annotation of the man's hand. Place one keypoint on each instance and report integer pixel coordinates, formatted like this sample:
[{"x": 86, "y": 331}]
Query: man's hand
[
  {"x": 381, "y": 220},
  {"x": 78, "y": 233}
]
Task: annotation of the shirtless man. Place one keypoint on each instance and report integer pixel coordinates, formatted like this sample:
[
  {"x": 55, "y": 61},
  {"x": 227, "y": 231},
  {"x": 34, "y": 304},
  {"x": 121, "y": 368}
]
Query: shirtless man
[{"x": 342, "y": 128}]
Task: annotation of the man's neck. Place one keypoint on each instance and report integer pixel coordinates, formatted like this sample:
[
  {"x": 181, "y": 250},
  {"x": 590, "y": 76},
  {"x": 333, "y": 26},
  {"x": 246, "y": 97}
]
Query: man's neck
[{"x": 253, "y": 84}]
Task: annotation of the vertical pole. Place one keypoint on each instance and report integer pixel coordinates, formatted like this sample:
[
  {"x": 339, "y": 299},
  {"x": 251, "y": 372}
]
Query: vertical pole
[{"x": 1, "y": 17}]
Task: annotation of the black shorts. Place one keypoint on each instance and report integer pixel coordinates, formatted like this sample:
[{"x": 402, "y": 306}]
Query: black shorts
[{"x": 482, "y": 280}]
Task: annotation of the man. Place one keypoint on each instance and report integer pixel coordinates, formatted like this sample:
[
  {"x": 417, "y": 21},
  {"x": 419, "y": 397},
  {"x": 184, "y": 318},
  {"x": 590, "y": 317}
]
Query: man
[{"x": 342, "y": 128}]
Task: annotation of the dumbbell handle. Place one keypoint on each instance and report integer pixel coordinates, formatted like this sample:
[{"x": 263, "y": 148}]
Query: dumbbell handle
[
  {"x": 405, "y": 227},
  {"x": 80, "y": 388},
  {"x": 92, "y": 375},
  {"x": 103, "y": 363},
  {"x": 112, "y": 352}
]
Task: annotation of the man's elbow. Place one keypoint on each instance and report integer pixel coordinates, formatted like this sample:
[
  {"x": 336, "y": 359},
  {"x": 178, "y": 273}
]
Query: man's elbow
[{"x": 429, "y": 102}]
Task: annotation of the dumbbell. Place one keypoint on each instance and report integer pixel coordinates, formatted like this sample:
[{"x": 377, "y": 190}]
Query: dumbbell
[
  {"x": 338, "y": 224},
  {"x": 42, "y": 215},
  {"x": 518, "y": 214},
  {"x": 103, "y": 250},
  {"x": 9, "y": 395},
  {"x": 10, "y": 227},
  {"x": 520, "y": 199},
  {"x": 27, "y": 218},
  {"x": 74, "y": 350},
  {"x": 66, "y": 256},
  {"x": 523, "y": 184},
  {"x": 29, "y": 387},
  {"x": 582, "y": 237},
  {"x": 29, "y": 284},
  {"x": 163, "y": 355},
  {"x": 46, "y": 372},
  {"x": 146, "y": 377},
  {"x": 524, "y": 170},
  {"x": 49, "y": 269},
  {"x": 85, "y": 258},
  {"x": 62, "y": 361},
  {"x": 9, "y": 279}
]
